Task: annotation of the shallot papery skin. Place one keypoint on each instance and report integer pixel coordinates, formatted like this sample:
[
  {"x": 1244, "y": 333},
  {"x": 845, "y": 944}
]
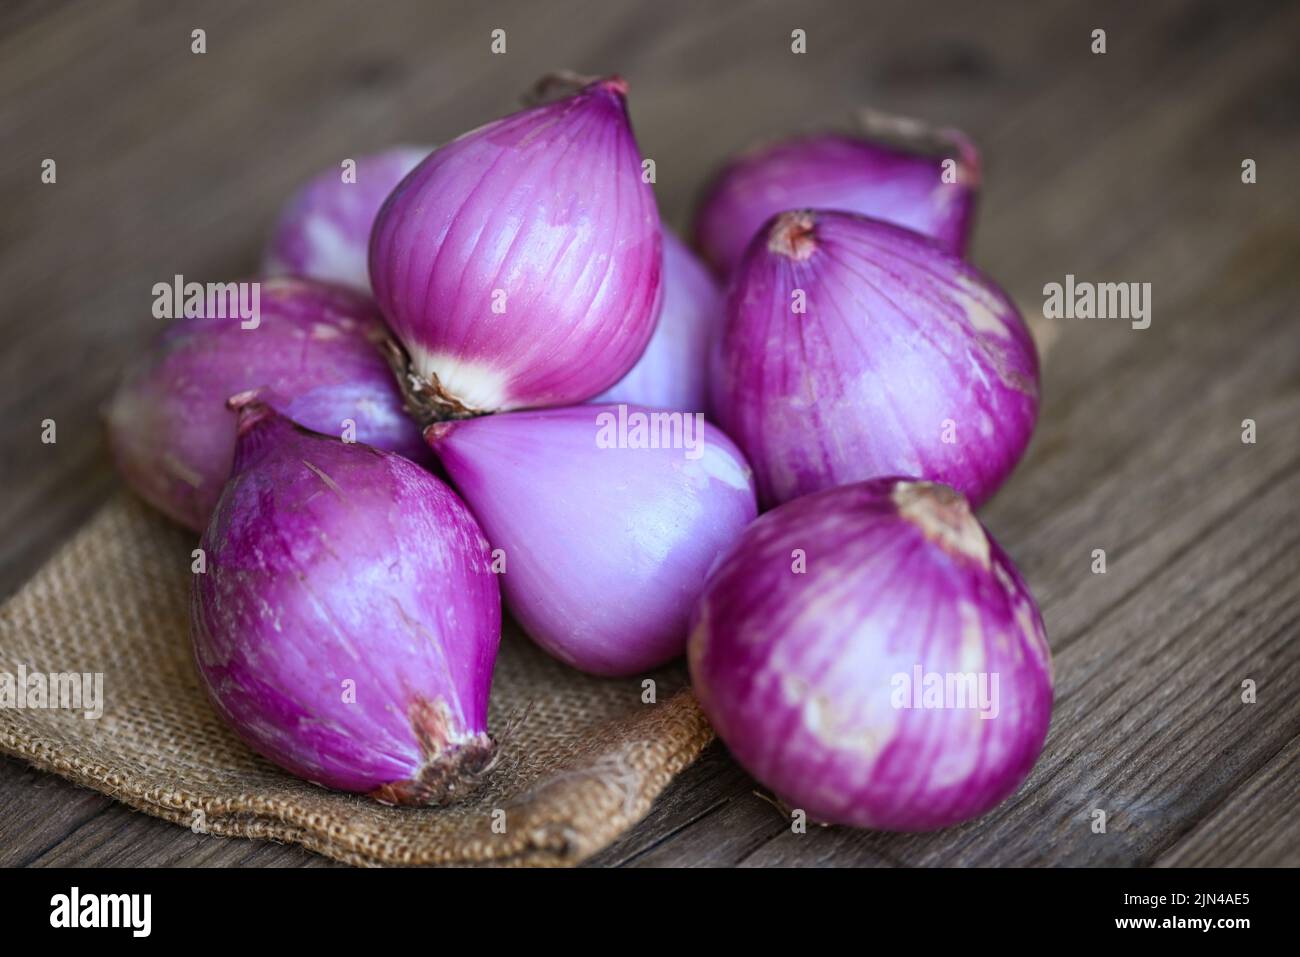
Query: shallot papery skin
[
  {"x": 348, "y": 619},
  {"x": 323, "y": 232},
  {"x": 604, "y": 542},
  {"x": 315, "y": 354},
  {"x": 519, "y": 265},
  {"x": 672, "y": 373},
  {"x": 871, "y": 655},
  {"x": 838, "y": 171},
  {"x": 853, "y": 348}
]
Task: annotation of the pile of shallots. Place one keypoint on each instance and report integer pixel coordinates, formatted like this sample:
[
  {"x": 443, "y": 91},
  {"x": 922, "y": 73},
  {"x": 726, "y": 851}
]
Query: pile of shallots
[{"x": 485, "y": 373}]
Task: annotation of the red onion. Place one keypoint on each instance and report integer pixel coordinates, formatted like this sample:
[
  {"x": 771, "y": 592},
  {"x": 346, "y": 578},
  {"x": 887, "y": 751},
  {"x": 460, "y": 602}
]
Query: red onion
[
  {"x": 519, "y": 265},
  {"x": 605, "y": 542},
  {"x": 324, "y": 230},
  {"x": 903, "y": 184},
  {"x": 314, "y": 352},
  {"x": 905, "y": 360},
  {"x": 871, "y": 655},
  {"x": 672, "y": 373},
  {"x": 348, "y": 620}
]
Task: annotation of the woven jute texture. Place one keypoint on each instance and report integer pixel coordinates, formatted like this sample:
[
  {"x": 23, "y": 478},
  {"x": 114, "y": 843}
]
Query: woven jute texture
[{"x": 583, "y": 760}]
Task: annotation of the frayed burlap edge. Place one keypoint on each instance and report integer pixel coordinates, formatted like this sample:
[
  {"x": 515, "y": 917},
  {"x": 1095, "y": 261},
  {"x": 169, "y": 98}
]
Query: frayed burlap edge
[{"x": 545, "y": 838}]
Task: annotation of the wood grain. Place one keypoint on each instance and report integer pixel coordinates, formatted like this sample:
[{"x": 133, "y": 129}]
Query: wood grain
[
  {"x": 1255, "y": 827},
  {"x": 1122, "y": 167}
]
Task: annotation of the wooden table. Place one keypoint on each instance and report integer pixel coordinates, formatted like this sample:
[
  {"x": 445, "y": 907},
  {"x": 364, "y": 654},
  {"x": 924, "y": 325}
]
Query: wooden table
[{"x": 1117, "y": 167}]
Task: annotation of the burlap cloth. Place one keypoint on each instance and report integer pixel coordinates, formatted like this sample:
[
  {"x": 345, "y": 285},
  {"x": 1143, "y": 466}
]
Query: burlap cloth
[{"x": 583, "y": 764}]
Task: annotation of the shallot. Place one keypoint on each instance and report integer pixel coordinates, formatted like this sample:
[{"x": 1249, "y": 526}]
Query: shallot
[
  {"x": 347, "y": 621},
  {"x": 315, "y": 354},
  {"x": 324, "y": 230},
  {"x": 853, "y": 348},
  {"x": 519, "y": 265},
  {"x": 604, "y": 519},
  {"x": 895, "y": 169},
  {"x": 871, "y": 655},
  {"x": 672, "y": 373}
]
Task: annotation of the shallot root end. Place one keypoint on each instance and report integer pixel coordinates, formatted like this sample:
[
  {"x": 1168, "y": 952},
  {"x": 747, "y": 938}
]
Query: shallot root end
[{"x": 449, "y": 770}]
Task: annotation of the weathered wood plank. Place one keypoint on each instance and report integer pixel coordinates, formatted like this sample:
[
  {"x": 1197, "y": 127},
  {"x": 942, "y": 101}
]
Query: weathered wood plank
[
  {"x": 38, "y": 810},
  {"x": 1257, "y": 826},
  {"x": 46, "y": 821}
]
